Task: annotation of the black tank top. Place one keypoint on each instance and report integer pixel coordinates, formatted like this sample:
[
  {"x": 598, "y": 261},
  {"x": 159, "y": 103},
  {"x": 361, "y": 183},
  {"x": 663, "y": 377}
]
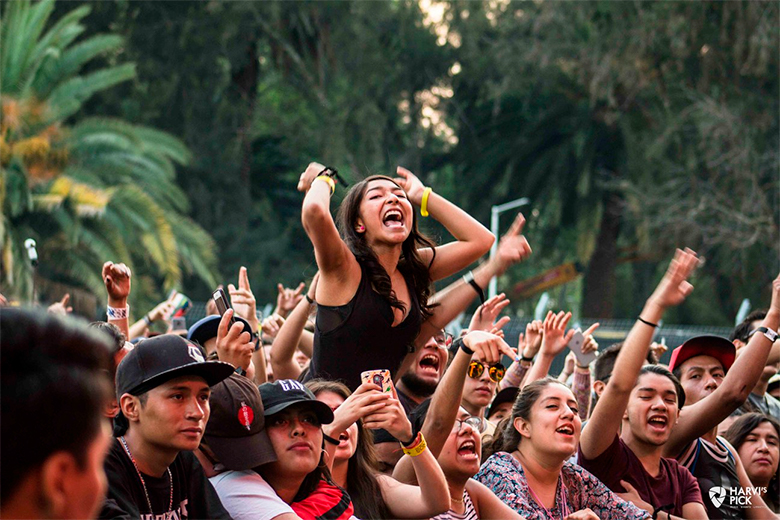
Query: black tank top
[
  {"x": 359, "y": 336},
  {"x": 713, "y": 466}
]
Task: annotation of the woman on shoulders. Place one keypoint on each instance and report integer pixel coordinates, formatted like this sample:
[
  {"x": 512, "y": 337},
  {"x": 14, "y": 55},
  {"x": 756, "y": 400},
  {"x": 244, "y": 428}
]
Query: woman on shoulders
[{"x": 376, "y": 268}]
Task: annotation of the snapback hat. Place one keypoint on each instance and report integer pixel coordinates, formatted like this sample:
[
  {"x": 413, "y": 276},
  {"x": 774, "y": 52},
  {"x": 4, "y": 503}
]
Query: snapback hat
[
  {"x": 507, "y": 395},
  {"x": 159, "y": 359},
  {"x": 286, "y": 392},
  {"x": 206, "y": 328},
  {"x": 715, "y": 346},
  {"x": 236, "y": 429}
]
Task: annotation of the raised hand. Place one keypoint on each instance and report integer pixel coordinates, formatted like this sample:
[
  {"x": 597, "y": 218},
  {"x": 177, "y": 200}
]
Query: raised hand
[
  {"x": 487, "y": 347},
  {"x": 392, "y": 418},
  {"x": 555, "y": 338},
  {"x": 411, "y": 185},
  {"x": 234, "y": 346},
  {"x": 243, "y": 299},
  {"x": 271, "y": 325},
  {"x": 530, "y": 344},
  {"x": 61, "y": 307},
  {"x": 774, "y": 305},
  {"x": 287, "y": 299},
  {"x": 484, "y": 317},
  {"x": 308, "y": 176},
  {"x": 513, "y": 246},
  {"x": 116, "y": 278},
  {"x": 674, "y": 286},
  {"x": 163, "y": 310},
  {"x": 590, "y": 344},
  {"x": 365, "y": 400}
]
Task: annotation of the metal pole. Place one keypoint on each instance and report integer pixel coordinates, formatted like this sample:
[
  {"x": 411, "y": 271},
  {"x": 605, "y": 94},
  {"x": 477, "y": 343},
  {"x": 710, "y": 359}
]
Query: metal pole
[{"x": 495, "y": 211}]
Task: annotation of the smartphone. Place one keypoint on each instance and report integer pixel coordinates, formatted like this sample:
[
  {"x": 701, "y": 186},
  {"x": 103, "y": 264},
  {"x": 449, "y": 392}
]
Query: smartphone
[
  {"x": 575, "y": 345},
  {"x": 179, "y": 323},
  {"x": 380, "y": 378},
  {"x": 223, "y": 304}
]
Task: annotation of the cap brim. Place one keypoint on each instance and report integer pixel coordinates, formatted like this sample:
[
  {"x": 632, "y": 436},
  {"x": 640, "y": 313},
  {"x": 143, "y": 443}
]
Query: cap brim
[
  {"x": 714, "y": 346},
  {"x": 323, "y": 411},
  {"x": 211, "y": 371},
  {"x": 240, "y": 453}
]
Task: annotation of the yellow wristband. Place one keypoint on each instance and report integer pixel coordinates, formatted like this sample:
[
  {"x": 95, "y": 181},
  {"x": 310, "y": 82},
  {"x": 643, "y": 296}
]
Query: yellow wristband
[
  {"x": 418, "y": 447},
  {"x": 330, "y": 182},
  {"x": 424, "y": 203}
]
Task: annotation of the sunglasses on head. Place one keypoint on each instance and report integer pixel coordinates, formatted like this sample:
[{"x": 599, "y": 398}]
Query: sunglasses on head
[{"x": 496, "y": 372}]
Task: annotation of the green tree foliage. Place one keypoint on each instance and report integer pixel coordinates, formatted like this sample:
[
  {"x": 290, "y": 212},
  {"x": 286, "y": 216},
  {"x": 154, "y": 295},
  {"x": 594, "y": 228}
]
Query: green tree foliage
[{"x": 88, "y": 189}]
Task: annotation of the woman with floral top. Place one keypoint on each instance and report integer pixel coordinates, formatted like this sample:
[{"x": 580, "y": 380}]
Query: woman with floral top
[{"x": 533, "y": 476}]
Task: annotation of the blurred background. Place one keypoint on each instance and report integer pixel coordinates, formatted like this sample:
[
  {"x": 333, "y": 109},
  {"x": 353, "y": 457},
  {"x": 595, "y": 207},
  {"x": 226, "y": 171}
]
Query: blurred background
[{"x": 170, "y": 136}]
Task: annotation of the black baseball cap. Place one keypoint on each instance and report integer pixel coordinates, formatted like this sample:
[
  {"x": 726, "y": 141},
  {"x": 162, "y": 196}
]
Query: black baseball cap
[
  {"x": 159, "y": 359},
  {"x": 236, "y": 429},
  {"x": 286, "y": 392},
  {"x": 206, "y": 328},
  {"x": 507, "y": 395}
]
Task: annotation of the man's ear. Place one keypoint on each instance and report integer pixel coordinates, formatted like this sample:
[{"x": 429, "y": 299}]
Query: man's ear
[
  {"x": 598, "y": 387},
  {"x": 130, "y": 406},
  {"x": 57, "y": 473}
]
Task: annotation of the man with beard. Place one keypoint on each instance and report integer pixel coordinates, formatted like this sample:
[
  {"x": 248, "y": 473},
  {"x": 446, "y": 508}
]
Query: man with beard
[{"x": 419, "y": 382}]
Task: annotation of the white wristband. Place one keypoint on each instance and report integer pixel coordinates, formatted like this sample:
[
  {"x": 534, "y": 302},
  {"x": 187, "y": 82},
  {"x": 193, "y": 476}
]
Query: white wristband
[{"x": 120, "y": 313}]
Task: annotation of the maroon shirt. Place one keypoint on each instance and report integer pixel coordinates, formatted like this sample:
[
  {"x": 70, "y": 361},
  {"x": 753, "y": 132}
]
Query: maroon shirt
[{"x": 674, "y": 484}]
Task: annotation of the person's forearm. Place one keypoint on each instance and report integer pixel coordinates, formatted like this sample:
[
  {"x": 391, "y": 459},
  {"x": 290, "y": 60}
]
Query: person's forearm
[
  {"x": 581, "y": 389},
  {"x": 633, "y": 354},
  {"x": 434, "y": 494},
  {"x": 515, "y": 374},
  {"x": 747, "y": 368},
  {"x": 283, "y": 348},
  {"x": 456, "y": 297},
  {"x": 540, "y": 368},
  {"x": 461, "y": 225},
  {"x": 138, "y": 329},
  {"x": 123, "y": 323},
  {"x": 441, "y": 414},
  {"x": 306, "y": 343}
]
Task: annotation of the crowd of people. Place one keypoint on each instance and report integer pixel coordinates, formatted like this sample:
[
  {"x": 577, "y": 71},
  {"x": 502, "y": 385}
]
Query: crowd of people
[{"x": 352, "y": 401}]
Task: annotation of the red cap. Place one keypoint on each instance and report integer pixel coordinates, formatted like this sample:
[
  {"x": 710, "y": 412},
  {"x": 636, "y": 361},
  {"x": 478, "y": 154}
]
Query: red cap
[{"x": 715, "y": 346}]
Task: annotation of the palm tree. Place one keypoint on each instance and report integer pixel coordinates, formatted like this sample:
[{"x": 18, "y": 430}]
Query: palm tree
[{"x": 87, "y": 189}]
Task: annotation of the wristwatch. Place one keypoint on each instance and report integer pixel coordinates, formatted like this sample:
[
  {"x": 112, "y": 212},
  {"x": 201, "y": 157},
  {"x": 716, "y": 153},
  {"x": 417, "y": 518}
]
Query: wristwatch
[{"x": 770, "y": 334}]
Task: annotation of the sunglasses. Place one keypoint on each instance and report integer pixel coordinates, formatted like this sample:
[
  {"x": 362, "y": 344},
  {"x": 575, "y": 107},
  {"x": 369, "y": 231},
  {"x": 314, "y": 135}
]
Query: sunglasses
[{"x": 496, "y": 372}]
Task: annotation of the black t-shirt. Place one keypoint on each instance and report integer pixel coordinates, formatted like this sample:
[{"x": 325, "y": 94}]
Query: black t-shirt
[{"x": 193, "y": 495}]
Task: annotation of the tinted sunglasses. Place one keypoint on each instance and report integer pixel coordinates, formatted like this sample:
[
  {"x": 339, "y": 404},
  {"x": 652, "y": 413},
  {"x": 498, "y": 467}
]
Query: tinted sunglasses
[{"x": 496, "y": 372}]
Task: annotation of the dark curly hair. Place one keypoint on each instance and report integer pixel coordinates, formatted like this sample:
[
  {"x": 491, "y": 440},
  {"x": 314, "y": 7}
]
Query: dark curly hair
[{"x": 410, "y": 264}]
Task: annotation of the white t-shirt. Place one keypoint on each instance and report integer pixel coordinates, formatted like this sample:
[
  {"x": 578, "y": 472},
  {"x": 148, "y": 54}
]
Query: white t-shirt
[{"x": 246, "y": 496}]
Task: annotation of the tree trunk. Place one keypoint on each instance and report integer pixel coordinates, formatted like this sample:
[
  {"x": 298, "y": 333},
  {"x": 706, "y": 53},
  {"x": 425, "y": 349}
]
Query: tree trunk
[{"x": 600, "y": 284}]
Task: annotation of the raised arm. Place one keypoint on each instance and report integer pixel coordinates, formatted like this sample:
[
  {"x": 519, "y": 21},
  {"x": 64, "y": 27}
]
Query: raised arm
[
  {"x": 699, "y": 418},
  {"x": 339, "y": 271},
  {"x": 116, "y": 278},
  {"x": 283, "y": 348},
  {"x": 472, "y": 238},
  {"x": 455, "y": 298},
  {"x": 608, "y": 413},
  {"x": 554, "y": 340},
  {"x": 446, "y": 399}
]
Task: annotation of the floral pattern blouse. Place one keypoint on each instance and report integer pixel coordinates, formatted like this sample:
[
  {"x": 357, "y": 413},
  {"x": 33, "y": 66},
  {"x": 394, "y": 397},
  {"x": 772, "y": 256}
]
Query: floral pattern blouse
[{"x": 503, "y": 474}]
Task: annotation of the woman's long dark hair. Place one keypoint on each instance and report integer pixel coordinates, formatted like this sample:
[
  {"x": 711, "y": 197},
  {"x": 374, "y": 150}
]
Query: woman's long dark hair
[
  {"x": 410, "y": 264},
  {"x": 507, "y": 438},
  {"x": 736, "y": 435},
  {"x": 362, "y": 484}
]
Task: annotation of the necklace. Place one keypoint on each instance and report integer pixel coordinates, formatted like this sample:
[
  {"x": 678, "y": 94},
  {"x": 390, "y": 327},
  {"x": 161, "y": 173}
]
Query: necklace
[{"x": 146, "y": 493}]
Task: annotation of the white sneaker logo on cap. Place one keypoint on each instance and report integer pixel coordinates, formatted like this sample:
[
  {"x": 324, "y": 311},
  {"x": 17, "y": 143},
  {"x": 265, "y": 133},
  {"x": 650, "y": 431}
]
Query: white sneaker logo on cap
[{"x": 195, "y": 353}]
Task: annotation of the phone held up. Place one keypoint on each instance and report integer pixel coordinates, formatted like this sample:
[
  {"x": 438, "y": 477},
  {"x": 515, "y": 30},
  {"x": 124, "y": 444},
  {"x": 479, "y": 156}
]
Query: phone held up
[{"x": 223, "y": 304}]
